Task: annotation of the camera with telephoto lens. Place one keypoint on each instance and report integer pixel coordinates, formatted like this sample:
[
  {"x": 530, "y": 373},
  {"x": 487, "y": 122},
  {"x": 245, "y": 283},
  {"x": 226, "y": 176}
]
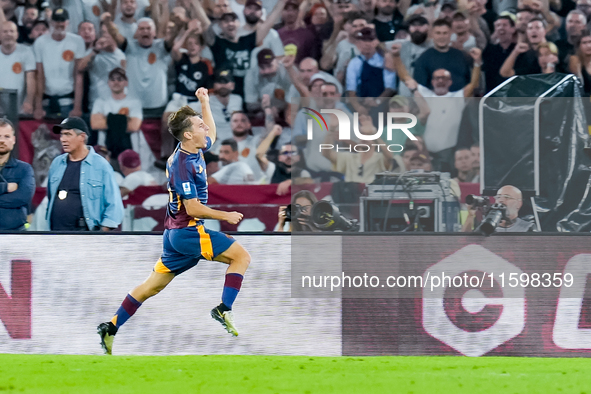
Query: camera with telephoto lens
[
  {"x": 327, "y": 217},
  {"x": 477, "y": 201},
  {"x": 496, "y": 213}
]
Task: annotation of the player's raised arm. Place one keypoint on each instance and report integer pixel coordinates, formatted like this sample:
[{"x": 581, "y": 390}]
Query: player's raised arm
[{"x": 206, "y": 114}]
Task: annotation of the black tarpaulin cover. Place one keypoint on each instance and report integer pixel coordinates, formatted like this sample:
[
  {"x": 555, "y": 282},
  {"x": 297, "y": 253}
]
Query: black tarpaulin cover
[{"x": 533, "y": 130}]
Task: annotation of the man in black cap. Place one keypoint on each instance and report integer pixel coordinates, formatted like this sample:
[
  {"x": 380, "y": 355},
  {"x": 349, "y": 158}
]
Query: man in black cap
[
  {"x": 270, "y": 78},
  {"x": 82, "y": 191},
  {"x": 366, "y": 75},
  {"x": 388, "y": 20},
  {"x": 232, "y": 49},
  {"x": 223, "y": 104},
  {"x": 58, "y": 54},
  {"x": 418, "y": 28},
  {"x": 119, "y": 114}
]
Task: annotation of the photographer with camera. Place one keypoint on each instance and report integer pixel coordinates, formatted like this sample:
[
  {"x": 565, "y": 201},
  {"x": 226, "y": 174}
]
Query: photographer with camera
[
  {"x": 297, "y": 213},
  {"x": 508, "y": 201}
]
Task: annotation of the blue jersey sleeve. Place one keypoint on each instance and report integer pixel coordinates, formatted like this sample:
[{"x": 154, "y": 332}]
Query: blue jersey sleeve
[
  {"x": 208, "y": 147},
  {"x": 183, "y": 180}
]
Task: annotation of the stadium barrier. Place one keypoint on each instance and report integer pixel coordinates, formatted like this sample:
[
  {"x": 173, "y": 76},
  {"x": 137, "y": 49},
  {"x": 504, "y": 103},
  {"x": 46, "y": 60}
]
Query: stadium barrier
[{"x": 55, "y": 289}]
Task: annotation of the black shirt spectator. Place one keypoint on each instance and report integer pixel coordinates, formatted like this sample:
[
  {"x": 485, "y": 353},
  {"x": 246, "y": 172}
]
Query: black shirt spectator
[
  {"x": 237, "y": 54},
  {"x": 493, "y": 57},
  {"x": 388, "y": 20},
  {"x": 455, "y": 61},
  {"x": 191, "y": 76},
  {"x": 443, "y": 56},
  {"x": 67, "y": 213}
]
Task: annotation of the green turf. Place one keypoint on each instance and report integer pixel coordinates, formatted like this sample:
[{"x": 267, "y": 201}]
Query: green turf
[{"x": 266, "y": 374}]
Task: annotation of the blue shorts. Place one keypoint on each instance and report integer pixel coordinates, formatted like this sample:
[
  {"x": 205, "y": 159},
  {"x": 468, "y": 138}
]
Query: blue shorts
[{"x": 183, "y": 248}]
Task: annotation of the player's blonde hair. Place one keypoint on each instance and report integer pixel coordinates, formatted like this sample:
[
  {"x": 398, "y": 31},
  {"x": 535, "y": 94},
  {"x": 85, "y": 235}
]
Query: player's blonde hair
[{"x": 180, "y": 121}]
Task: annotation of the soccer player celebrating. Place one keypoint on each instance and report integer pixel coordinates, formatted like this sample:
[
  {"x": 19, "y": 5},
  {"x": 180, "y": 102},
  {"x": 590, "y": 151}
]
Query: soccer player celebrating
[{"x": 186, "y": 240}]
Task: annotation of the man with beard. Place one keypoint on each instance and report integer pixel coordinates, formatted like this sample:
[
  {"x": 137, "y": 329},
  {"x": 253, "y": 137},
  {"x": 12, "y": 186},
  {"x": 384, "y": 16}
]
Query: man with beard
[
  {"x": 125, "y": 21},
  {"x": 231, "y": 48},
  {"x": 223, "y": 104},
  {"x": 239, "y": 6},
  {"x": 494, "y": 55},
  {"x": 410, "y": 51},
  {"x": 30, "y": 15},
  {"x": 18, "y": 64},
  {"x": 575, "y": 25},
  {"x": 233, "y": 171},
  {"x": 17, "y": 182},
  {"x": 523, "y": 16},
  {"x": 58, "y": 55},
  {"x": 524, "y": 57},
  {"x": 443, "y": 56},
  {"x": 389, "y": 18},
  {"x": 253, "y": 14},
  {"x": 270, "y": 78}
]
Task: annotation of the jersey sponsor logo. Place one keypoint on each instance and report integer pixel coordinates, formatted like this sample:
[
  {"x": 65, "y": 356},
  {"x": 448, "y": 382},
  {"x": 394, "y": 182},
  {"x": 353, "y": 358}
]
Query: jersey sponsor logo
[
  {"x": 245, "y": 152},
  {"x": 187, "y": 187},
  {"x": 124, "y": 111},
  {"x": 96, "y": 11},
  {"x": 152, "y": 58},
  {"x": 17, "y": 68},
  {"x": 68, "y": 55}
]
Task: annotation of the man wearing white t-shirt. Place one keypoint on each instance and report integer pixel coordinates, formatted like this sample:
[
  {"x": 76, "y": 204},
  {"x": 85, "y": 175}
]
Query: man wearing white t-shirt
[
  {"x": 446, "y": 108},
  {"x": 131, "y": 168},
  {"x": 57, "y": 55},
  {"x": 234, "y": 171},
  {"x": 147, "y": 62},
  {"x": 125, "y": 21},
  {"x": 17, "y": 63},
  {"x": 119, "y": 114}
]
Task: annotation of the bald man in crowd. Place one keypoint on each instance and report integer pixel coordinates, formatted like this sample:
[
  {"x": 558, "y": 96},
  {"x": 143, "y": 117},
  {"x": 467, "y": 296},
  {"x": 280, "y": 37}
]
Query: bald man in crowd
[{"x": 511, "y": 197}]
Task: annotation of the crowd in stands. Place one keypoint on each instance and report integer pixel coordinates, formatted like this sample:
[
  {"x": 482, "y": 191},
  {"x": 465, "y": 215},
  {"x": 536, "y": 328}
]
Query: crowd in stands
[{"x": 267, "y": 63}]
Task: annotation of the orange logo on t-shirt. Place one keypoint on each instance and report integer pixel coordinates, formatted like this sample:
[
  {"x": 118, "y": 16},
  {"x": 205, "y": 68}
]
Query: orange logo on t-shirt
[
  {"x": 68, "y": 55},
  {"x": 17, "y": 68},
  {"x": 279, "y": 94},
  {"x": 124, "y": 111},
  {"x": 245, "y": 152},
  {"x": 152, "y": 58},
  {"x": 96, "y": 10}
]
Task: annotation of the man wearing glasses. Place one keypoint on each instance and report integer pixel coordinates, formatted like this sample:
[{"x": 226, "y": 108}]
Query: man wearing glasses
[{"x": 511, "y": 197}]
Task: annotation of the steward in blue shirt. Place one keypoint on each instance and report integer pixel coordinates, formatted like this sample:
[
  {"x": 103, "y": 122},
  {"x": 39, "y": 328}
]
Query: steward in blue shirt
[{"x": 82, "y": 191}]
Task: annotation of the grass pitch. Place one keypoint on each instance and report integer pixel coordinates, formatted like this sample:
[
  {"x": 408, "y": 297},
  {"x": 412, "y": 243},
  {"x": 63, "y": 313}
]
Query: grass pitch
[{"x": 267, "y": 374}]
